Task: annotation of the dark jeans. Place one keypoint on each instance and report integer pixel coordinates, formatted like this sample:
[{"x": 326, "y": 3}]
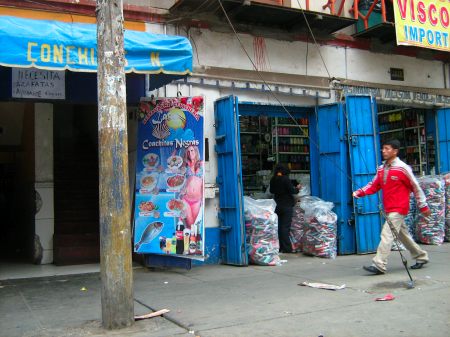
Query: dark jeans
[{"x": 284, "y": 227}]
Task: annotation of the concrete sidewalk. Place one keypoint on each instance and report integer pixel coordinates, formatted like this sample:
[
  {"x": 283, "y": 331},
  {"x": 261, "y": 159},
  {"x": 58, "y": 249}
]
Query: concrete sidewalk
[{"x": 244, "y": 301}]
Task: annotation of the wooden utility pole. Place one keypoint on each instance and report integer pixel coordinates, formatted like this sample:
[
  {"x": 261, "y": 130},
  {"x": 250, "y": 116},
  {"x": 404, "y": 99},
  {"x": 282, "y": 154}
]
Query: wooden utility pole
[{"x": 115, "y": 236}]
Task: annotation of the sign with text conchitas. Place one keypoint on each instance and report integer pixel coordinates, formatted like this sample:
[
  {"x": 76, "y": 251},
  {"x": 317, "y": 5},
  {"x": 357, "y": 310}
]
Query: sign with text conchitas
[{"x": 169, "y": 202}]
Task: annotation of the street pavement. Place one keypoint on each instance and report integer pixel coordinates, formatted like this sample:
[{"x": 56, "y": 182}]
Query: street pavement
[{"x": 258, "y": 301}]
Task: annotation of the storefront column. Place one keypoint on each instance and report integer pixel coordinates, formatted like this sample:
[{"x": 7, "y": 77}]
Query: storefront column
[{"x": 45, "y": 216}]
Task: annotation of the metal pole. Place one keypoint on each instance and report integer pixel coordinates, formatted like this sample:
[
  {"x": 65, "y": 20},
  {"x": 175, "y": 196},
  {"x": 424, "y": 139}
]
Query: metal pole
[{"x": 115, "y": 237}]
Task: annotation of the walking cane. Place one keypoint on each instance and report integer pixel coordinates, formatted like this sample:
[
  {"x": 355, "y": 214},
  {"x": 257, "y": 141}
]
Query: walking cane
[{"x": 410, "y": 283}]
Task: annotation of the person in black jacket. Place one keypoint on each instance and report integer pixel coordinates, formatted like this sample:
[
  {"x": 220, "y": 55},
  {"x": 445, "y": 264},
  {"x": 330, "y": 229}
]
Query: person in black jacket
[{"x": 283, "y": 190}]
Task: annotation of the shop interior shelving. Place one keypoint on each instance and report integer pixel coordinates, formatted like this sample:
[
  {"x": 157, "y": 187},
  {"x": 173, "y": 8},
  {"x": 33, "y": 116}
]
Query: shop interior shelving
[
  {"x": 290, "y": 145},
  {"x": 267, "y": 141},
  {"x": 408, "y": 126},
  {"x": 255, "y": 150}
]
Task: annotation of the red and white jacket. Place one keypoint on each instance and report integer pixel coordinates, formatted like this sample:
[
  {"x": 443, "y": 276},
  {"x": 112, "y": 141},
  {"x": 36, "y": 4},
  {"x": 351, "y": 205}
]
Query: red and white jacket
[{"x": 397, "y": 181}]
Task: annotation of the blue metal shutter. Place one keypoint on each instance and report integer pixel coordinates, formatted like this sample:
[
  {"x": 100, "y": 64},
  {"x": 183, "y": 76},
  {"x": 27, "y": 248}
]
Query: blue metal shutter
[
  {"x": 364, "y": 158},
  {"x": 443, "y": 138},
  {"x": 334, "y": 184},
  {"x": 229, "y": 179}
]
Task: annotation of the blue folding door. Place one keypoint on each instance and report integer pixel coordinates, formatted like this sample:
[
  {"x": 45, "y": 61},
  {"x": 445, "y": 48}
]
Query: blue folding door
[
  {"x": 334, "y": 182},
  {"x": 443, "y": 137},
  {"x": 364, "y": 150},
  {"x": 231, "y": 197}
]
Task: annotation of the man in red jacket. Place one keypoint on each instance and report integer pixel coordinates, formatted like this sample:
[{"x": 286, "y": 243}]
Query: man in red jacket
[{"x": 397, "y": 181}]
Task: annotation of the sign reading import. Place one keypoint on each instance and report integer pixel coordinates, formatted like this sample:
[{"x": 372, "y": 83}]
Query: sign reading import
[
  {"x": 34, "y": 83},
  {"x": 423, "y": 23}
]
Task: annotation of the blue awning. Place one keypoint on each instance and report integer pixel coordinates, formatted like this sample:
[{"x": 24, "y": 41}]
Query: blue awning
[{"x": 55, "y": 45}]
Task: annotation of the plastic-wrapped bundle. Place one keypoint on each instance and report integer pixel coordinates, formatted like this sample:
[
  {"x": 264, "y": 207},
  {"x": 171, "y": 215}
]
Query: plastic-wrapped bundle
[
  {"x": 297, "y": 228},
  {"x": 261, "y": 224},
  {"x": 320, "y": 236},
  {"x": 431, "y": 230},
  {"x": 447, "y": 206},
  {"x": 411, "y": 216}
]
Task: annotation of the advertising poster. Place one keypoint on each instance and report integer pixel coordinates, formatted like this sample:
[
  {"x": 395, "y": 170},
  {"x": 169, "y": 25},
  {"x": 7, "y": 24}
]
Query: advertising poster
[
  {"x": 169, "y": 200},
  {"x": 423, "y": 23}
]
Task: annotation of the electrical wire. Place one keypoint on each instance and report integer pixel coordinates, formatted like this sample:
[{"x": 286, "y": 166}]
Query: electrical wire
[
  {"x": 314, "y": 38},
  {"x": 273, "y": 94}
]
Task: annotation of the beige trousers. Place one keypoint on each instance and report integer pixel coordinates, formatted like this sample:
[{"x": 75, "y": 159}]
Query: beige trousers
[{"x": 384, "y": 248}]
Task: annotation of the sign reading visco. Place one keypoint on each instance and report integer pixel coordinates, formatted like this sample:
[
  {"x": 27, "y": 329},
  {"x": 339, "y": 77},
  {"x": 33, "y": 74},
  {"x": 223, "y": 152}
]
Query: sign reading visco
[{"x": 423, "y": 23}]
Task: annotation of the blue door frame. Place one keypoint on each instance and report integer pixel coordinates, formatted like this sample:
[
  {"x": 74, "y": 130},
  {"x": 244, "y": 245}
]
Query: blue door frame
[{"x": 364, "y": 153}]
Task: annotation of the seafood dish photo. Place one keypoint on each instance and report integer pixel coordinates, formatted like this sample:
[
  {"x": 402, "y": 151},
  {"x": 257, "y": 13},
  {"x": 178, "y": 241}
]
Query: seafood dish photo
[
  {"x": 147, "y": 206},
  {"x": 175, "y": 182},
  {"x": 176, "y": 205},
  {"x": 148, "y": 182},
  {"x": 174, "y": 162},
  {"x": 150, "y": 160}
]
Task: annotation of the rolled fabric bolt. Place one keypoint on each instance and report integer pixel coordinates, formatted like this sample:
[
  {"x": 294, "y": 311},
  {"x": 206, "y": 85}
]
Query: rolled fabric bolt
[{"x": 431, "y": 230}]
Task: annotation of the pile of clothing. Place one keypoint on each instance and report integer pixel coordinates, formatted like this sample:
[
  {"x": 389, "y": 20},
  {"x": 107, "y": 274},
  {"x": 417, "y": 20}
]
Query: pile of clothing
[{"x": 261, "y": 226}]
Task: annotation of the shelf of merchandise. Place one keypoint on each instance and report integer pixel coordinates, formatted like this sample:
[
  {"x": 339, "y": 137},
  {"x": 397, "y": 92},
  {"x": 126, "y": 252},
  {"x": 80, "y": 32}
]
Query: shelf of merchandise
[
  {"x": 295, "y": 144},
  {"x": 390, "y": 131},
  {"x": 252, "y": 131},
  {"x": 408, "y": 126}
]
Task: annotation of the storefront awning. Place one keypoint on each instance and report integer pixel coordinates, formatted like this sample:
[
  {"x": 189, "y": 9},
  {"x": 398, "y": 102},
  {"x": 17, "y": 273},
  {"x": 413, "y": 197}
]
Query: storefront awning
[{"x": 54, "y": 45}]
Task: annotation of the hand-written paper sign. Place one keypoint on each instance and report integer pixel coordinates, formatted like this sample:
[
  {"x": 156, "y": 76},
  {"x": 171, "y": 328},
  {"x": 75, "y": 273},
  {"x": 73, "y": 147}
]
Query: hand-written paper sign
[{"x": 38, "y": 84}]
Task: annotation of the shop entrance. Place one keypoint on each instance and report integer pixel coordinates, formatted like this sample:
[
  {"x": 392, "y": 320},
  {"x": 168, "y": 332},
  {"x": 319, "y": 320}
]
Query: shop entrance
[
  {"x": 17, "y": 199},
  {"x": 267, "y": 140},
  {"x": 76, "y": 238},
  {"x": 339, "y": 150},
  {"x": 336, "y": 147}
]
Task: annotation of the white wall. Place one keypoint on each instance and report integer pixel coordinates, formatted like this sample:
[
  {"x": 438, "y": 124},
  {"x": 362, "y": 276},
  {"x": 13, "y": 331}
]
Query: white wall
[
  {"x": 223, "y": 50},
  {"x": 45, "y": 215}
]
